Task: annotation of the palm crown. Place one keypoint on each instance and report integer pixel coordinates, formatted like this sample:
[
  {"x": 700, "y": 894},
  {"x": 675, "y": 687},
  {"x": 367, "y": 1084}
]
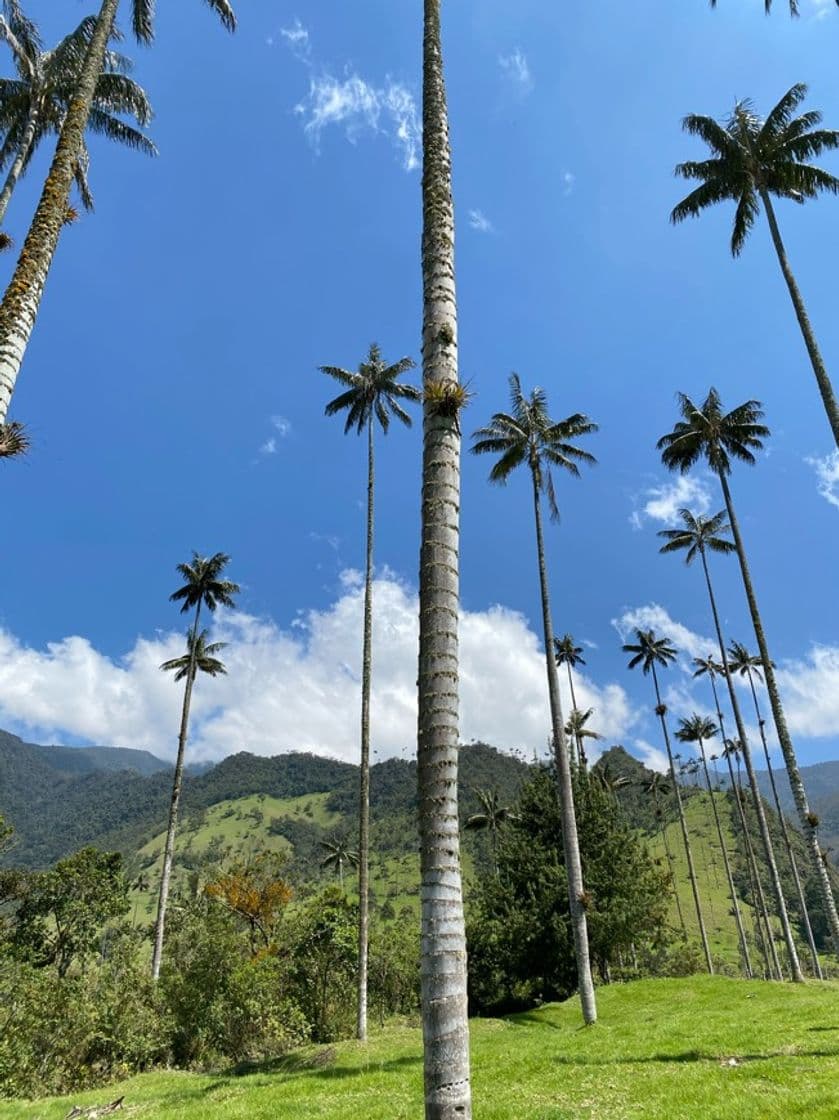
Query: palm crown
[
  {"x": 706, "y": 666},
  {"x": 752, "y": 157},
  {"x": 742, "y": 662},
  {"x": 203, "y": 583},
  {"x": 695, "y": 729},
  {"x": 527, "y": 434},
  {"x": 199, "y": 658},
  {"x": 566, "y": 652},
  {"x": 373, "y": 390},
  {"x": 706, "y": 432},
  {"x": 143, "y": 17},
  {"x": 492, "y": 815},
  {"x": 649, "y": 651},
  {"x": 576, "y": 724},
  {"x": 697, "y": 535}
]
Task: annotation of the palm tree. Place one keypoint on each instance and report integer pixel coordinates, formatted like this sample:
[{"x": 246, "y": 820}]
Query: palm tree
[
  {"x": 751, "y": 160},
  {"x": 338, "y": 853},
  {"x": 648, "y": 651},
  {"x": 527, "y": 435},
  {"x": 576, "y": 730},
  {"x": 14, "y": 440},
  {"x": 657, "y": 787},
  {"x": 203, "y": 586},
  {"x": 492, "y": 818},
  {"x": 34, "y": 105},
  {"x": 709, "y": 433},
  {"x": 444, "y": 1001},
  {"x": 19, "y": 306},
  {"x": 748, "y": 665},
  {"x": 371, "y": 394},
  {"x": 696, "y": 730},
  {"x": 610, "y": 780},
  {"x": 567, "y": 653}
]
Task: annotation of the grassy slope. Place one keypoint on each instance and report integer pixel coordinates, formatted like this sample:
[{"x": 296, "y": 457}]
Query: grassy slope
[{"x": 661, "y": 1051}]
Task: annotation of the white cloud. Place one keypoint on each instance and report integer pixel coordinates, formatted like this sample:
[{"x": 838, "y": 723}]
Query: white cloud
[
  {"x": 281, "y": 425},
  {"x": 827, "y": 474},
  {"x": 810, "y": 692},
  {"x": 295, "y": 688},
  {"x": 297, "y": 38},
  {"x": 662, "y": 503},
  {"x": 652, "y": 757},
  {"x": 359, "y": 107},
  {"x": 479, "y": 221},
  {"x": 269, "y": 447},
  {"x": 569, "y": 180},
  {"x": 516, "y": 69},
  {"x": 822, "y": 8}
]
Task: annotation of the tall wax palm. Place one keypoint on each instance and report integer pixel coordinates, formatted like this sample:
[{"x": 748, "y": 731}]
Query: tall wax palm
[
  {"x": 491, "y": 818},
  {"x": 528, "y": 436},
  {"x": 33, "y": 105},
  {"x": 749, "y": 665},
  {"x": 697, "y": 730},
  {"x": 19, "y": 306},
  {"x": 657, "y": 787},
  {"x": 338, "y": 853},
  {"x": 444, "y": 1001},
  {"x": 569, "y": 654},
  {"x": 752, "y": 159},
  {"x": 708, "y": 433},
  {"x": 203, "y": 586},
  {"x": 650, "y": 651},
  {"x": 371, "y": 396},
  {"x": 699, "y": 536},
  {"x": 577, "y": 731}
]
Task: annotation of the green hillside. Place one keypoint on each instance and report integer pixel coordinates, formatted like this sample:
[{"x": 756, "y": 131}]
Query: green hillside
[{"x": 694, "y": 1049}]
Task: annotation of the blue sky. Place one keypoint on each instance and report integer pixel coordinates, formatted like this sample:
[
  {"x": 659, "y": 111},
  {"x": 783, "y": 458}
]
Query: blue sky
[{"x": 172, "y": 394}]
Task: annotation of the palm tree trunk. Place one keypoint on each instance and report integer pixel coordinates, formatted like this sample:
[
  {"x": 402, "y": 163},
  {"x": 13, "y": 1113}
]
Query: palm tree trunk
[
  {"x": 738, "y": 919},
  {"x": 445, "y": 1024},
  {"x": 565, "y": 788},
  {"x": 799, "y": 888},
  {"x": 19, "y": 307},
  {"x": 19, "y": 161},
  {"x": 808, "y": 821},
  {"x": 757, "y": 800},
  {"x": 825, "y": 387},
  {"x": 660, "y": 710},
  {"x": 578, "y": 741},
  {"x": 364, "y": 791}
]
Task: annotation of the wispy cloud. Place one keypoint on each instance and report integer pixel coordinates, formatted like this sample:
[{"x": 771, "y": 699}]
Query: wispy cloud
[
  {"x": 283, "y": 429},
  {"x": 479, "y": 221},
  {"x": 296, "y": 38},
  {"x": 827, "y": 476},
  {"x": 820, "y": 9},
  {"x": 662, "y": 503},
  {"x": 516, "y": 70},
  {"x": 569, "y": 181}
]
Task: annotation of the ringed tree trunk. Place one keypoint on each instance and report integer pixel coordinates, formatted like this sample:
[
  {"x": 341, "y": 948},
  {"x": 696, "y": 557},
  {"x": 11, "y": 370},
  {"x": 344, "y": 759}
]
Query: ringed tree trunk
[
  {"x": 174, "y": 805},
  {"x": 364, "y": 790},
  {"x": 445, "y": 1025},
  {"x": 819, "y": 369},
  {"x": 19, "y": 162},
  {"x": 807, "y": 820},
  {"x": 757, "y": 800},
  {"x": 703, "y": 936},
  {"x": 579, "y": 743},
  {"x": 19, "y": 306},
  {"x": 799, "y": 889},
  {"x": 565, "y": 788}
]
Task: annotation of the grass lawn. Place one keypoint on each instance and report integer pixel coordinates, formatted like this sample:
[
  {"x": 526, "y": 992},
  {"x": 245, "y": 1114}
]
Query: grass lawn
[{"x": 705, "y": 1048}]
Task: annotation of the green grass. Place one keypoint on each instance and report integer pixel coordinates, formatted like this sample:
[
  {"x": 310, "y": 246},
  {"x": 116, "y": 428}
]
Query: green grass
[{"x": 705, "y": 1048}]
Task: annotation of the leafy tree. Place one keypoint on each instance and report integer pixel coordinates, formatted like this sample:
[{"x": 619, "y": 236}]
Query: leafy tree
[
  {"x": 323, "y": 950},
  {"x": 338, "y": 853},
  {"x": 256, "y": 893},
  {"x": 650, "y": 651},
  {"x": 34, "y": 105},
  {"x": 203, "y": 586},
  {"x": 528, "y": 436},
  {"x": 753, "y": 158},
  {"x": 19, "y": 306},
  {"x": 491, "y": 818},
  {"x": 448, "y": 1092},
  {"x": 370, "y": 394},
  {"x": 708, "y": 433}
]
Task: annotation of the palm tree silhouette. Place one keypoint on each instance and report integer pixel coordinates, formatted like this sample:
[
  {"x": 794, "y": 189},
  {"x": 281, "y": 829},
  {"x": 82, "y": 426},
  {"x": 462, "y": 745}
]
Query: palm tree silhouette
[
  {"x": 338, "y": 853},
  {"x": 491, "y": 818}
]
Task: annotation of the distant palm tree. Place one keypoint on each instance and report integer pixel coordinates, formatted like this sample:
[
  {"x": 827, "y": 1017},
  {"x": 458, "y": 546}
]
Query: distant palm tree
[
  {"x": 22, "y": 298},
  {"x": 708, "y": 433},
  {"x": 576, "y": 730},
  {"x": 699, "y": 536},
  {"x": 34, "y": 105},
  {"x": 203, "y": 586},
  {"x": 339, "y": 853},
  {"x": 610, "y": 779},
  {"x": 697, "y": 730},
  {"x": 528, "y": 436},
  {"x": 648, "y": 651},
  {"x": 492, "y": 818},
  {"x": 749, "y": 665},
  {"x": 657, "y": 787},
  {"x": 753, "y": 158},
  {"x": 371, "y": 395},
  {"x": 569, "y": 654}
]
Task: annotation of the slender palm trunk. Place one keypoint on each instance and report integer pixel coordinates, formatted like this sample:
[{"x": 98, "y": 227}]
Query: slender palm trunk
[
  {"x": 819, "y": 369},
  {"x": 703, "y": 936},
  {"x": 577, "y": 739},
  {"x": 565, "y": 788},
  {"x": 364, "y": 790},
  {"x": 669, "y": 855},
  {"x": 807, "y": 820},
  {"x": 448, "y": 1092},
  {"x": 799, "y": 888},
  {"x": 19, "y": 162},
  {"x": 19, "y": 307},
  {"x": 174, "y": 805},
  {"x": 738, "y": 919}
]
